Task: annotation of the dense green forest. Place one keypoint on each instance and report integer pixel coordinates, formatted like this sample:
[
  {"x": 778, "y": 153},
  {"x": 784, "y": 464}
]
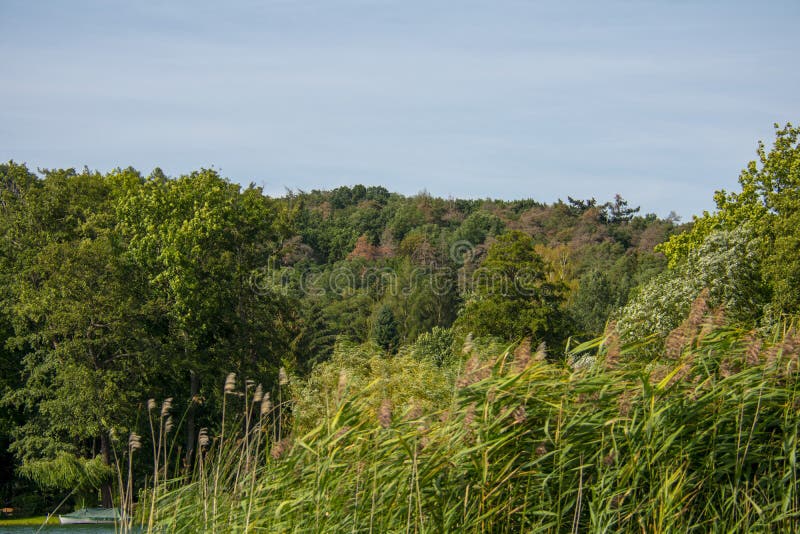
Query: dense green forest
[{"x": 461, "y": 364}]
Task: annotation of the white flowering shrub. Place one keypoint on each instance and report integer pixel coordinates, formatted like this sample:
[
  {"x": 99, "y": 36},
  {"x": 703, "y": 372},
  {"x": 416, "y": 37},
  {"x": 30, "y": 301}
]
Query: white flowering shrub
[{"x": 727, "y": 263}]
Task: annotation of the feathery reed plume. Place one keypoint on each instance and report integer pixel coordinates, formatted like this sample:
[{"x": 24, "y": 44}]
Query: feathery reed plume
[
  {"x": 625, "y": 403},
  {"x": 612, "y": 347},
  {"x": 682, "y": 373},
  {"x": 473, "y": 372},
  {"x": 425, "y": 437},
  {"x": 773, "y": 355},
  {"x": 249, "y": 383},
  {"x": 788, "y": 348},
  {"x": 228, "y": 388},
  {"x": 698, "y": 310},
  {"x": 230, "y": 383},
  {"x": 414, "y": 413},
  {"x": 468, "y": 376},
  {"x": 719, "y": 316},
  {"x": 151, "y": 405},
  {"x": 341, "y": 387},
  {"x": 283, "y": 377},
  {"x": 522, "y": 356},
  {"x": 159, "y": 443},
  {"x": 258, "y": 395},
  {"x": 341, "y": 432},
  {"x": 679, "y": 338},
  {"x": 711, "y": 323},
  {"x": 541, "y": 352},
  {"x": 699, "y": 387},
  {"x": 169, "y": 425},
  {"x": 166, "y": 406},
  {"x": 469, "y": 415},
  {"x": 519, "y": 414},
  {"x": 611, "y": 344},
  {"x": 266, "y": 404},
  {"x": 469, "y": 345},
  {"x": 126, "y": 493},
  {"x": 283, "y": 380},
  {"x": 280, "y": 448},
  {"x": 675, "y": 342},
  {"x": 523, "y": 350},
  {"x": 203, "y": 439},
  {"x": 659, "y": 373},
  {"x": 385, "y": 413},
  {"x": 134, "y": 442},
  {"x": 792, "y": 340},
  {"x": 753, "y": 349},
  {"x": 611, "y": 326},
  {"x": 726, "y": 368}
]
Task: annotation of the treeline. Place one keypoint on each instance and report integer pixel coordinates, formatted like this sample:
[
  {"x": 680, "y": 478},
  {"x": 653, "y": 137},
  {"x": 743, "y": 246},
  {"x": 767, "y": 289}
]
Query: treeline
[{"x": 426, "y": 260}]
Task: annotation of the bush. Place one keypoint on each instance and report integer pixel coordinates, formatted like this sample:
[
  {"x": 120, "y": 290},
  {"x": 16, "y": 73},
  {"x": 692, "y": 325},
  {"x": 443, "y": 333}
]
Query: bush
[
  {"x": 727, "y": 263},
  {"x": 435, "y": 346}
]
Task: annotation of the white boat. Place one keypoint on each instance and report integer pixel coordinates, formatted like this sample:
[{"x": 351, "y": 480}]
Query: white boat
[{"x": 91, "y": 516}]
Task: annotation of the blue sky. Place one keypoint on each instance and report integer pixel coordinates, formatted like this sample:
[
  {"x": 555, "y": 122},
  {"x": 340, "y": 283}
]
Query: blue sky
[{"x": 662, "y": 102}]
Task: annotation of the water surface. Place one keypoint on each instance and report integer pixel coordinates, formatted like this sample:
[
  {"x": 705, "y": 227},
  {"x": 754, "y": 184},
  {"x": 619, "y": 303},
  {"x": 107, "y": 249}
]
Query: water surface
[{"x": 60, "y": 529}]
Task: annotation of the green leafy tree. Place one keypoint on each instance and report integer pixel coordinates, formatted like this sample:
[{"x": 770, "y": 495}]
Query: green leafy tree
[
  {"x": 16, "y": 183},
  {"x": 76, "y": 309},
  {"x": 406, "y": 218},
  {"x": 347, "y": 315},
  {"x": 512, "y": 296},
  {"x": 314, "y": 338},
  {"x": 199, "y": 240},
  {"x": 769, "y": 201},
  {"x": 578, "y": 206},
  {"x": 478, "y": 226},
  {"x": 384, "y": 329},
  {"x": 422, "y": 296},
  {"x": 593, "y": 302}
]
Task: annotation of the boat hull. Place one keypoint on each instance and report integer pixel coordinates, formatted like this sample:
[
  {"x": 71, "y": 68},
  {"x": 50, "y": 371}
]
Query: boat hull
[
  {"x": 91, "y": 516},
  {"x": 84, "y": 521}
]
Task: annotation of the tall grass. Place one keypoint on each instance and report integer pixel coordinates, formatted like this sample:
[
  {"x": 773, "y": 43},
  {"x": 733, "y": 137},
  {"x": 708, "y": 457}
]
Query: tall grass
[{"x": 706, "y": 440}]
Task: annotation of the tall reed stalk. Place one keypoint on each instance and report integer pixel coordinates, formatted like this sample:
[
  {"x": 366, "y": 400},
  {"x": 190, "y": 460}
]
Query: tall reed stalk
[{"x": 706, "y": 439}]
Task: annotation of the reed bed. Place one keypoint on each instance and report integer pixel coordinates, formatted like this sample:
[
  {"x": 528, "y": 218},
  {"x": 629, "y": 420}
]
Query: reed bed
[{"x": 703, "y": 440}]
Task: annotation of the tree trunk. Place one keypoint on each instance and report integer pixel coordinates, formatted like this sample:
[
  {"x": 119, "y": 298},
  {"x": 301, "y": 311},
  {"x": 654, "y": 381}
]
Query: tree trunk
[
  {"x": 191, "y": 435},
  {"x": 107, "y": 500}
]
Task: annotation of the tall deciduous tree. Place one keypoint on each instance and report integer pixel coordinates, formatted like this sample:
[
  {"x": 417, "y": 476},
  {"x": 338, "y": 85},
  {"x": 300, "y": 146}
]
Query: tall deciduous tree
[
  {"x": 512, "y": 296},
  {"x": 769, "y": 201},
  {"x": 75, "y": 307},
  {"x": 200, "y": 239}
]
